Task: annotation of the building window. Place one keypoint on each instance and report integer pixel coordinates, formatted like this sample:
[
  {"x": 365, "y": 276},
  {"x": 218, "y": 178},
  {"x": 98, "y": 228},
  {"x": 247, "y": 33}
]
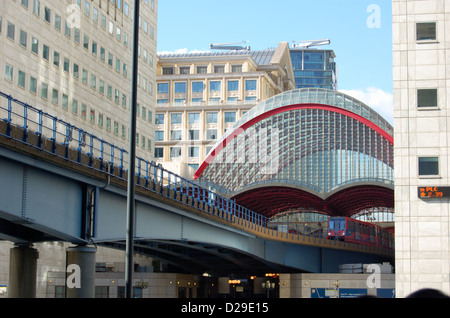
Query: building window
[
  {"x": 101, "y": 292},
  {"x": 56, "y": 58},
  {"x": 230, "y": 117},
  {"x": 33, "y": 85},
  {"x": 219, "y": 68},
  {"x": 233, "y": 86},
  {"x": 9, "y": 72},
  {"x": 428, "y": 166},
  {"x": 159, "y": 135},
  {"x": 47, "y": 14},
  {"x": 23, "y": 38},
  {"x": 163, "y": 88},
  {"x": 55, "y": 96},
  {"x": 175, "y": 152},
  {"x": 45, "y": 52},
  {"x": 426, "y": 31},
  {"x": 250, "y": 85},
  {"x": 175, "y": 119},
  {"x": 167, "y": 70},
  {"x": 193, "y": 152},
  {"x": 185, "y": 70},
  {"x": 159, "y": 152},
  {"x": 202, "y": 69},
  {"x": 211, "y": 118},
  {"x": 175, "y": 135},
  {"x": 215, "y": 86},
  {"x": 65, "y": 101},
  {"x": 194, "y": 134},
  {"x": 197, "y": 87},
  {"x": 211, "y": 134},
  {"x": 427, "y": 98},
  {"x": 180, "y": 88},
  {"x": 159, "y": 119},
  {"x": 21, "y": 79},
  {"x": 236, "y": 68},
  {"x": 11, "y": 31},
  {"x": 34, "y": 45},
  {"x": 194, "y": 118}
]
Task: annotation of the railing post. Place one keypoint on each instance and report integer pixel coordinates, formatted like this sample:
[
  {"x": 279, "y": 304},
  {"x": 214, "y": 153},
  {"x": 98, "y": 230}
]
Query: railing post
[
  {"x": 25, "y": 122},
  {"x": 40, "y": 123},
  {"x": 8, "y": 128}
]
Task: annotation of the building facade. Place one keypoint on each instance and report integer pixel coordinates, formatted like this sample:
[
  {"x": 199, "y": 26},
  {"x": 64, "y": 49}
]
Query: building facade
[
  {"x": 72, "y": 59},
  {"x": 422, "y": 126},
  {"x": 314, "y": 68},
  {"x": 201, "y": 95}
]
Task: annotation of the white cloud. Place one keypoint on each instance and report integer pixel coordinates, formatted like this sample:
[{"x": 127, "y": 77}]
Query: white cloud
[{"x": 380, "y": 101}]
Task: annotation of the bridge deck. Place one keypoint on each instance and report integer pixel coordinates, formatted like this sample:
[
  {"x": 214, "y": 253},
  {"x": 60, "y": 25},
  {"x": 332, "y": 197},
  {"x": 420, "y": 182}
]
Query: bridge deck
[{"x": 149, "y": 184}]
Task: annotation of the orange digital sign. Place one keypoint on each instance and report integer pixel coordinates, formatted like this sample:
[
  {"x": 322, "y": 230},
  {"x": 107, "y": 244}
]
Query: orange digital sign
[{"x": 433, "y": 192}]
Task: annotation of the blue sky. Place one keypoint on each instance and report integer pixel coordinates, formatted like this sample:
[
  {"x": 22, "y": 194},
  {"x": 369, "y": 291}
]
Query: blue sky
[{"x": 360, "y": 32}]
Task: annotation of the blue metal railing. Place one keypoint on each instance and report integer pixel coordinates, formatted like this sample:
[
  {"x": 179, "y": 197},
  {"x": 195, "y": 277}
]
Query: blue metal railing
[{"x": 150, "y": 175}]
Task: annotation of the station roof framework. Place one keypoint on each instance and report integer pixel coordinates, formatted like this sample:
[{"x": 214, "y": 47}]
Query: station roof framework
[{"x": 324, "y": 150}]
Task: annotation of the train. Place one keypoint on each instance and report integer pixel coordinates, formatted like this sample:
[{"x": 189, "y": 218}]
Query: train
[{"x": 354, "y": 231}]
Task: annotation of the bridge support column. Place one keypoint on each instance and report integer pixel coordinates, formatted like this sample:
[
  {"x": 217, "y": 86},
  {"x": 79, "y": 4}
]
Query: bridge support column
[
  {"x": 80, "y": 282},
  {"x": 22, "y": 271}
]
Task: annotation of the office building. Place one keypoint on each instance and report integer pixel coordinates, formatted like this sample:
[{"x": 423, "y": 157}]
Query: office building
[
  {"x": 314, "y": 68},
  {"x": 422, "y": 127},
  {"x": 72, "y": 59},
  {"x": 201, "y": 95}
]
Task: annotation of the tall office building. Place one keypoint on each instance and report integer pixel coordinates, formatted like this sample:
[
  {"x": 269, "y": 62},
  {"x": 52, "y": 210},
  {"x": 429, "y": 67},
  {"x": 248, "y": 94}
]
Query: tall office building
[
  {"x": 201, "y": 95},
  {"x": 422, "y": 130},
  {"x": 72, "y": 59},
  {"x": 314, "y": 68}
]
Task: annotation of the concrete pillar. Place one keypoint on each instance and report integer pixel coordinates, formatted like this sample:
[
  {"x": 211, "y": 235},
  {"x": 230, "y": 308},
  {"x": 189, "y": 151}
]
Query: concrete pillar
[
  {"x": 22, "y": 271},
  {"x": 80, "y": 276}
]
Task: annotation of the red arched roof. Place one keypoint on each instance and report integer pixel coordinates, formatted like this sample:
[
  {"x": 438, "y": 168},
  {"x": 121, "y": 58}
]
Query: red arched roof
[{"x": 272, "y": 200}]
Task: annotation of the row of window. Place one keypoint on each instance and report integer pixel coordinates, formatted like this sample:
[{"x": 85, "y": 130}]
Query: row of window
[
  {"x": 200, "y": 69},
  {"x": 78, "y": 108},
  {"x": 214, "y": 86},
  {"x": 144, "y": 24},
  {"x": 194, "y": 118},
  {"x": 68, "y": 27},
  {"x": 427, "y": 166},
  {"x": 193, "y": 134},
  {"x": 175, "y": 152}
]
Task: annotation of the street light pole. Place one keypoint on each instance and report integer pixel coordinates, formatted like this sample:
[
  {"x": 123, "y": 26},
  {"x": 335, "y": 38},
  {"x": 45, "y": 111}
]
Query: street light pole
[{"x": 132, "y": 157}]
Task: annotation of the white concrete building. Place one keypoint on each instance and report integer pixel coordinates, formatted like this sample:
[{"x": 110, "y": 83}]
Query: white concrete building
[
  {"x": 422, "y": 134},
  {"x": 72, "y": 59}
]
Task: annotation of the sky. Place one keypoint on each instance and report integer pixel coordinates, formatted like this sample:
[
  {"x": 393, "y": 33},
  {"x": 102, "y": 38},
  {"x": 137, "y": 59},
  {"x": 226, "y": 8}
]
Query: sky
[{"x": 360, "y": 32}]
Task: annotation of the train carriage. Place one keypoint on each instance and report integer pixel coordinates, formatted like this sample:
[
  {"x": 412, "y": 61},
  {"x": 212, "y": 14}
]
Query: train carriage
[{"x": 354, "y": 231}]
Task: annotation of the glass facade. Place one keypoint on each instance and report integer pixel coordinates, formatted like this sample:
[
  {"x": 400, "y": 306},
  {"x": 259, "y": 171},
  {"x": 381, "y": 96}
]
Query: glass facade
[
  {"x": 318, "y": 140},
  {"x": 314, "y": 68}
]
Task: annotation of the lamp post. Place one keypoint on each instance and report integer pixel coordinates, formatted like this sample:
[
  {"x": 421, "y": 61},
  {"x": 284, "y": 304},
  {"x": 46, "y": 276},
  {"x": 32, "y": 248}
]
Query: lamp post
[
  {"x": 268, "y": 286},
  {"x": 132, "y": 157}
]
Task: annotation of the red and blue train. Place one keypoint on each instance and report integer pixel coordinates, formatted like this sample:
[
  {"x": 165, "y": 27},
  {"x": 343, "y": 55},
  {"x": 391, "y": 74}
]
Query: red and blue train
[{"x": 354, "y": 231}]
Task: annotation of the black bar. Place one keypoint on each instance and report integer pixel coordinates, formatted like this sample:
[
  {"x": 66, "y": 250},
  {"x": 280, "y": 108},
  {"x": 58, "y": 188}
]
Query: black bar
[{"x": 132, "y": 157}]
